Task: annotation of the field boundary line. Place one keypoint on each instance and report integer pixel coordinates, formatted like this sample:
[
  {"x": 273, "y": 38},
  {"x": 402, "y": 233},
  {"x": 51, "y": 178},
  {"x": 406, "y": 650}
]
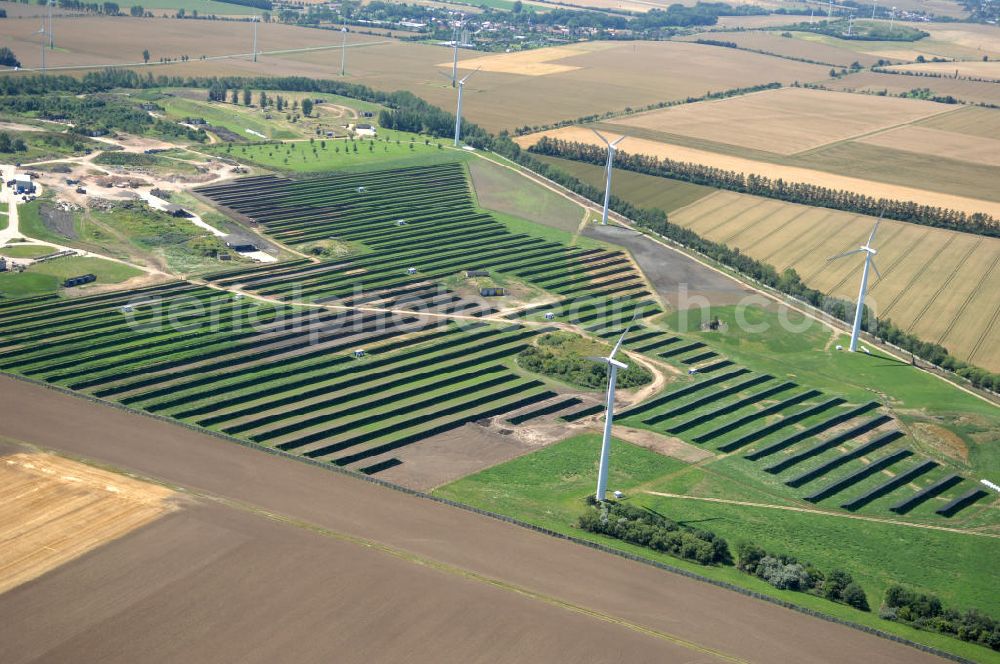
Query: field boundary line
[
  {"x": 792, "y": 508},
  {"x": 943, "y": 286},
  {"x": 333, "y": 468},
  {"x": 874, "y": 132}
]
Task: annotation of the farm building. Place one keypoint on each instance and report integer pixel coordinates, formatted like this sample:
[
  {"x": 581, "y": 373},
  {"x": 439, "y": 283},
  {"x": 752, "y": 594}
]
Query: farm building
[
  {"x": 477, "y": 273},
  {"x": 23, "y": 184},
  {"x": 242, "y": 247},
  {"x": 364, "y": 129},
  {"x": 3, "y": 264},
  {"x": 79, "y": 281}
]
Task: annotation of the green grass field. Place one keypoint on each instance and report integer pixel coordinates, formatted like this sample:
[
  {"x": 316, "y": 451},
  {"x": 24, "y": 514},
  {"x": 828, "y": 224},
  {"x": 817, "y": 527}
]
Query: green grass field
[
  {"x": 25, "y": 251},
  {"x": 547, "y": 488},
  {"x": 48, "y": 277},
  {"x": 236, "y": 118},
  {"x": 644, "y": 190},
  {"x": 389, "y": 150},
  {"x": 502, "y": 190},
  {"x": 203, "y": 7}
]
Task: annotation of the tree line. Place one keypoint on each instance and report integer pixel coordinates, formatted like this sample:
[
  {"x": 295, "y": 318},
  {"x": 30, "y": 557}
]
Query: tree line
[{"x": 794, "y": 192}]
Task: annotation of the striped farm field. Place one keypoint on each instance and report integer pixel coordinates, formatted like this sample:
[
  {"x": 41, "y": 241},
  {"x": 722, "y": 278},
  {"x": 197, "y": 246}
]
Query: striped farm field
[{"x": 937, "y": 284}]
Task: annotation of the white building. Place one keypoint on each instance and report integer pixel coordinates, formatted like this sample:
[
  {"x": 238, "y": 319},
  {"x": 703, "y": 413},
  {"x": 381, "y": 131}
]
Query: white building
[{"x": 364, "y": 130}]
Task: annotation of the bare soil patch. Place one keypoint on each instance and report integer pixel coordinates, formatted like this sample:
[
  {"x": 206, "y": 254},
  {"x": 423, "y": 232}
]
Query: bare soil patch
[
  {"x": 941, "y": 439},
  {"x": 665, "y": 445},
  {"x": 254, "y": 606},
  {"x": 53, "y": 510}
]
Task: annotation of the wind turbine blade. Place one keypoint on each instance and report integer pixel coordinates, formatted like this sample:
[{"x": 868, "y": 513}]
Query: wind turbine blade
[
  {"x": 602, "y": 360},
  {"x": 871, "y": 238},
  {"x": 468, "y": 76},
  {"x": 876, "y": 269},
  {"x": 447, "y": 76},
  {"x": 600, "y": 136},
  {"x": 621, "y": 340},
  {"x": 620, "y": 139},
  {"x": 846, "y": 253}
]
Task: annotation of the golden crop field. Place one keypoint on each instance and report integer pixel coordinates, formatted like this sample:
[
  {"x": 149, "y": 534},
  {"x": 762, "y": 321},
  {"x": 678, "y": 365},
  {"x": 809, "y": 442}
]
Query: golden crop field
[
  {"x": 537, "y": 62},
  {"x": 94, "y": 40},
  {"x": 54, "y": 510},
  {"x": 971, "y": 120},
  {"x": 937, "y": 284},
  {"x": 940, "y": 143},
  {"x": 976, "y": 92},
  {"x": 786, "y": 172},
  {"x": 989, "y": 70},
  {"x": 771, "y": 41},
  {"x": 785, "y": 121},
  {"x": 626, "y": 74}
]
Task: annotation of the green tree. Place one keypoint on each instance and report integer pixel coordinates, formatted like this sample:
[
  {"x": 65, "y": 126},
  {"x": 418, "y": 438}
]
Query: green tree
[
  {"x": 236, "y": 96},
  {"x": 145, "y": 55},
  {"x": 855, "y": 596},
  {"x": 7, "y": 58},
  {"x": 246, "y": 97},
  {"x": 307, "y": 107},
  {"x": 6, "y": 145}
]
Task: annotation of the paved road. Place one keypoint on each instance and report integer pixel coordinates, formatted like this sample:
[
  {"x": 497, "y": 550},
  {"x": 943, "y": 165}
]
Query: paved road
[{"x": 704, "y": 622}]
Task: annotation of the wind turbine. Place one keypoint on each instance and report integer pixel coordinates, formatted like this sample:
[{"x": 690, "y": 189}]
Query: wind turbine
[
  {"x": 52, "y": 42},
  {"x": 454, "y": 61},
  {"x": 343, "y": 49},
  {"x": 869, "y": 253},
  {"x": 42, "y": 31},
  {"x": 607, "y": 185},
  {"x": 458, "y": 110},
  {"x": 874, "y": 6},
  {"x": 892, "y": 18},
  {"x": 613, "y": 367},
  {"x": 254, "y": 49}
]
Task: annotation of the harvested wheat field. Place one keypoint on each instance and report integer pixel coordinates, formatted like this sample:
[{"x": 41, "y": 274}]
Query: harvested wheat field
[
  {"x": 640, "y": 72},
  {"x": 971, "y": 121},
  {"x": 939, "y": 143},
  {"x": 771, "y": 41},
  {"x": 84, "y": 40},
  {"x": 785, "y": 121},
  {"x": 53, "y": 510},
  {"x": 989, "y": 70},
  {"x": 788, "y": 173},
  {"x": 938, "y": 284},
  {"x": 537, "y": 62},
  {"x": 976, "y": 92}
]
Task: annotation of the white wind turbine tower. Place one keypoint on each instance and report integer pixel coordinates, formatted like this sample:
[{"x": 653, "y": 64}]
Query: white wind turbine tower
[
  {"x": 454, "y": 61},
  {"x": 343, "y": 49},
  {"x": 874, "y": 6},
  {"x": 253, "y": 50},
  {"x": 612, "y": 146},
  {"x": 869, "y": 253},
  {"x": 43, "y": 32},
  {"x": 458, "y": 110},
  {"x": 52, "y": 42},
  {"x": 613, "y": 367}
]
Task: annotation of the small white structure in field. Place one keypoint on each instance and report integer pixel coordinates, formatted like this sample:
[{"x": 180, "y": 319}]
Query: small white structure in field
[
  {"x": 549, "y": 315},
  {"x": 990, "y": 485},
  {"x": 362, "y": 190},
  {"x": 619, "y": 495},
  {"x": 401, "y": 222},
  {"x": 411, "y": 270},
  {"x": 359, "y": 352},
  {"x": 839, "y": 347},
  {"x": 692, "y": 371},
  {"x": 365, "y": 130},
  {"x": 865, "y": 350}
]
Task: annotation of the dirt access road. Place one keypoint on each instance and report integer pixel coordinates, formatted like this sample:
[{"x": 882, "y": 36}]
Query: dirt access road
[{"x": 457, "y": 555}]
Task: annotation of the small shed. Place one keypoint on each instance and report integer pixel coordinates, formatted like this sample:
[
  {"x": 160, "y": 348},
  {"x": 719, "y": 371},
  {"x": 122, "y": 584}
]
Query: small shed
[
  {"x": 359, "y": 352},
  {"x": 411, "y": 270},
  {"x": 23, "y": 184},
  {"x": 477, "y": 273},
  {"x": 549, "y": 315},
  {"x": 364, "y": 129}
]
